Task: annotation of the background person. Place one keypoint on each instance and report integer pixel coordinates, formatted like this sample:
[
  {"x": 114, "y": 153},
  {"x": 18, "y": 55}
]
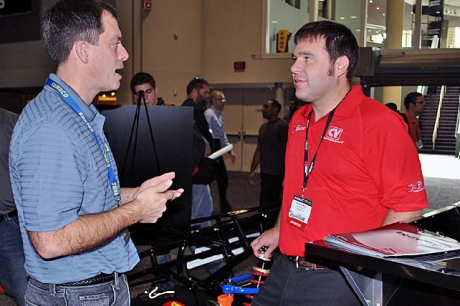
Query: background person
[
  {"x": 145, "y": 91},
  {"x": 216, "y": 123},
  {"x": 337, "y": 179},
  {"x": 202, "y": 205},
  {"x": 392, "y": 106},
  {"x": 13, "y": 276},
  {"x": 293, "y": 106},
  {"x": 73, "y": 214},
  {"x": 197, "y": 94},
  {"x": 414, "y": 104},
  {"x": 269, "y": 153},
  {"x": 145, "y": 83}
]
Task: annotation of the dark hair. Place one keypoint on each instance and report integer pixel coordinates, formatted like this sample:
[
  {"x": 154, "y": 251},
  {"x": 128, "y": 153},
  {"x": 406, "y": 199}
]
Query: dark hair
[
  {"x": 340, "y": 41},
  {"x": 142, "y": 78},
  {"x": 69, "y": 21},
  {"x": 197, "y": 83},
  {"x": 411, "y": 98},
  {"x": 392, "y": 106},
  {"x": 276, "y": 104}
]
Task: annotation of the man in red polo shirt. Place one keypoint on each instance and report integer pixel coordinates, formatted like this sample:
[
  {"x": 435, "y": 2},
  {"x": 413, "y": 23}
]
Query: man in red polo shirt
[
  {"x": 350, "y": 166},
  {"x": 414, "y": 104}
]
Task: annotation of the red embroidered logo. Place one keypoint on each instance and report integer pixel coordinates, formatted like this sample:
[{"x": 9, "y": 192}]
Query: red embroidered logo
[
  {"x": 298, "y": 128},
  {"x": 417, "y": 187}
]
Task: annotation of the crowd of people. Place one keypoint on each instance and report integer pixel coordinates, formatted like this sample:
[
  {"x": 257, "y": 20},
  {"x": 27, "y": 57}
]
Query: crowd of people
[{"x": 64, "y": 221}]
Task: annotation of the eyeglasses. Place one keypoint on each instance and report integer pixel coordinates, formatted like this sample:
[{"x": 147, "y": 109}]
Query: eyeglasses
[{"x": 221, "y": 99}]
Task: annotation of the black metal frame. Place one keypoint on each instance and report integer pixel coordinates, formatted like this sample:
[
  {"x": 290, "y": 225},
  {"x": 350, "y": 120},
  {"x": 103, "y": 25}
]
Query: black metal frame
[{"x": 245, "y": 225}]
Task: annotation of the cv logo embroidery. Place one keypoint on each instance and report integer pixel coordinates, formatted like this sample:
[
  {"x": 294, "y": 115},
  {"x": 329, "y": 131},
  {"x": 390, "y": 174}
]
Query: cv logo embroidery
[{"x": 333, "y": 134}]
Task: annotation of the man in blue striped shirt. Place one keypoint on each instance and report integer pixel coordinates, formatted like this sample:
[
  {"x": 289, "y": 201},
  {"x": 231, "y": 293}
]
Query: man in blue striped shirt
[{"x": 73, "y": 214}]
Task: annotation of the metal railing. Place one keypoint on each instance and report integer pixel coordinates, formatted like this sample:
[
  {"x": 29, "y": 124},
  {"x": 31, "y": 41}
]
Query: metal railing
[
  {"x": 457, "y": 126},
  {"x": 438, "y": 116}
]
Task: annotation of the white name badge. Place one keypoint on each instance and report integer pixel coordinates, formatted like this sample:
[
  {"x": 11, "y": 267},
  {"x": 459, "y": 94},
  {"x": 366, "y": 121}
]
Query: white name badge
[{"x": 299, "y": 213}]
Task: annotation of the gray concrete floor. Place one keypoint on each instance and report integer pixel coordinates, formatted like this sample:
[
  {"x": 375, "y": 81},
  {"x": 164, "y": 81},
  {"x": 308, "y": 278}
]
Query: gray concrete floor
[{"x": 442, "y": 180}]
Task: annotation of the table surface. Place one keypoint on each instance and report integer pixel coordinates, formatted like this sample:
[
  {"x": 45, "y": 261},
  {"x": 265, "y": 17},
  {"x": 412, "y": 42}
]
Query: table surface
[{"x": 441, "y": 270}]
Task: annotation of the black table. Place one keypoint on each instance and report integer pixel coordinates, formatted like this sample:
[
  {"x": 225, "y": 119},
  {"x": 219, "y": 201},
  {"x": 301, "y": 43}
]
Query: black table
[{"x": 377, "y": 281}]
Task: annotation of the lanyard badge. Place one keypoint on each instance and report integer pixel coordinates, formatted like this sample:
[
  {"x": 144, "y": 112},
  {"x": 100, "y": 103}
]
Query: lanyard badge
[{"x": 301, "y": 207}]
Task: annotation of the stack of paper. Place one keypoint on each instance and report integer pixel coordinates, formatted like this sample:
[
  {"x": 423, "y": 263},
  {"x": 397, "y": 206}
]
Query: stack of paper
[{"x": 399, "y": 239}]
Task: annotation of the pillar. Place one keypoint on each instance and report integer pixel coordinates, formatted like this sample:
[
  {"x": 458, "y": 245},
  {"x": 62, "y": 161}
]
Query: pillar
[{"x": 394, "y": 30}]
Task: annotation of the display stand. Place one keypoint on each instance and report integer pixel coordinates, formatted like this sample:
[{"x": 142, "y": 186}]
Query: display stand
[{"x": 376, "y": 281}]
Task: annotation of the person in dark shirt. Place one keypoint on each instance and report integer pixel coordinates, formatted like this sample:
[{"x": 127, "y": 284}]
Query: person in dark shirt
[
  {"x": 271, "y": 147},
  {"x": 13, "y": 275},
  {"x": 197, "y": 94}
]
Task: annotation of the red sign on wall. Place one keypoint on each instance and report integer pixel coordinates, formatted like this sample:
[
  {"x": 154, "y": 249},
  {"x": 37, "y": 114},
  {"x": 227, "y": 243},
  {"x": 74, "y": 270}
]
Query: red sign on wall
[{"x": 147, "y": 4}]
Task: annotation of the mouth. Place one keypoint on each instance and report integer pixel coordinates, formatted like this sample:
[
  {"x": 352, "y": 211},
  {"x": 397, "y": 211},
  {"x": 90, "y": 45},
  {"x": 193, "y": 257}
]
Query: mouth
[{"x": 297, "y": 82}]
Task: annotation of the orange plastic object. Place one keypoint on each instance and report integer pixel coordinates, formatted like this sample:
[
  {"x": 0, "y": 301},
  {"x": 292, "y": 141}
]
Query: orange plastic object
[
  {"x": 173, "y": 303},
  {"x": 225, "y": 299}
]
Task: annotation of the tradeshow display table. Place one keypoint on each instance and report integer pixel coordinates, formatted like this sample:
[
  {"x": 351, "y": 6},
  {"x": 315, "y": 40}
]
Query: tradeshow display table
[{"x": 412, "y": 280}]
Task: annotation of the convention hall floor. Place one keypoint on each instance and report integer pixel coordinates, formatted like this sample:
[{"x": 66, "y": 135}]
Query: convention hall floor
[{"x": 442, "y": 180}]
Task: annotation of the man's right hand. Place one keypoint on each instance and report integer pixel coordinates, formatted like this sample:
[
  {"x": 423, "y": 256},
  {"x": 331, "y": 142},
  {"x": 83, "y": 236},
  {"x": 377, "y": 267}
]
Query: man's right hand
[{"x": 269, "y": 238}]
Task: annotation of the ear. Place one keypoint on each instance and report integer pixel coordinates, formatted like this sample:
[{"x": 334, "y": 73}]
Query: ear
[
  {"x": 341, "y": 65},
  {"x": 81, "y": 49}
]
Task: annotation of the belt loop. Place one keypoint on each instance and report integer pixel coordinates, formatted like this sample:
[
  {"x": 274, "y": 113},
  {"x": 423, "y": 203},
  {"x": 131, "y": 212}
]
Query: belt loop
[
  {"x": 117, "y": 280},
  {"x": 53, "y": 288}
]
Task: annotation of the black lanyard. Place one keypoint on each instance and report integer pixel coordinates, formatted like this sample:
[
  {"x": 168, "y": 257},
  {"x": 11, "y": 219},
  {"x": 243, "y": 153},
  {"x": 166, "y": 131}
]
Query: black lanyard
[{"x": 308, "y": 169}]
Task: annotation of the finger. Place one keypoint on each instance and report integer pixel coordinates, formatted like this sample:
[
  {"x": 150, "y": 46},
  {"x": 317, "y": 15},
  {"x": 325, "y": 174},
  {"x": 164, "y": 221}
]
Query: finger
[
  {"x": 268, "y": 252},
  {"x": 256, "y": 247},
  {"x": 157, "y": 180},
  {"x": 163, "y": 187},
  {"x": 174, "y": 193}
]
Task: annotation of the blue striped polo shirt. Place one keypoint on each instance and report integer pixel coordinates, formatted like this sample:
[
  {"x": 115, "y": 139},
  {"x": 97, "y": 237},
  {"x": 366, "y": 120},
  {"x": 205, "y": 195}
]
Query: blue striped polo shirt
[{"x": 58, "y": 173}]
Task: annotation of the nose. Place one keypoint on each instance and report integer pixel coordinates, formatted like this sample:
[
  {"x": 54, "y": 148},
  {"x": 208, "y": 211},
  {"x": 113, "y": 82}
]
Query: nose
[
  {"x": 123, "y": 53},
  {"x": 295, "y": 67}
]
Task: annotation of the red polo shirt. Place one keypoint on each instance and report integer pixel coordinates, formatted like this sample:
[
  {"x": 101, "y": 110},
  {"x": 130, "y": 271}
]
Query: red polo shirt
[{"x": 366, "y": 165}]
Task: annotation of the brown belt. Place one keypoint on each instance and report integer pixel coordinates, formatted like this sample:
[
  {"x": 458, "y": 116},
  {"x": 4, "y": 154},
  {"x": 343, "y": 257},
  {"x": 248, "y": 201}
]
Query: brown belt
[{"x": 301, "y": 263}]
